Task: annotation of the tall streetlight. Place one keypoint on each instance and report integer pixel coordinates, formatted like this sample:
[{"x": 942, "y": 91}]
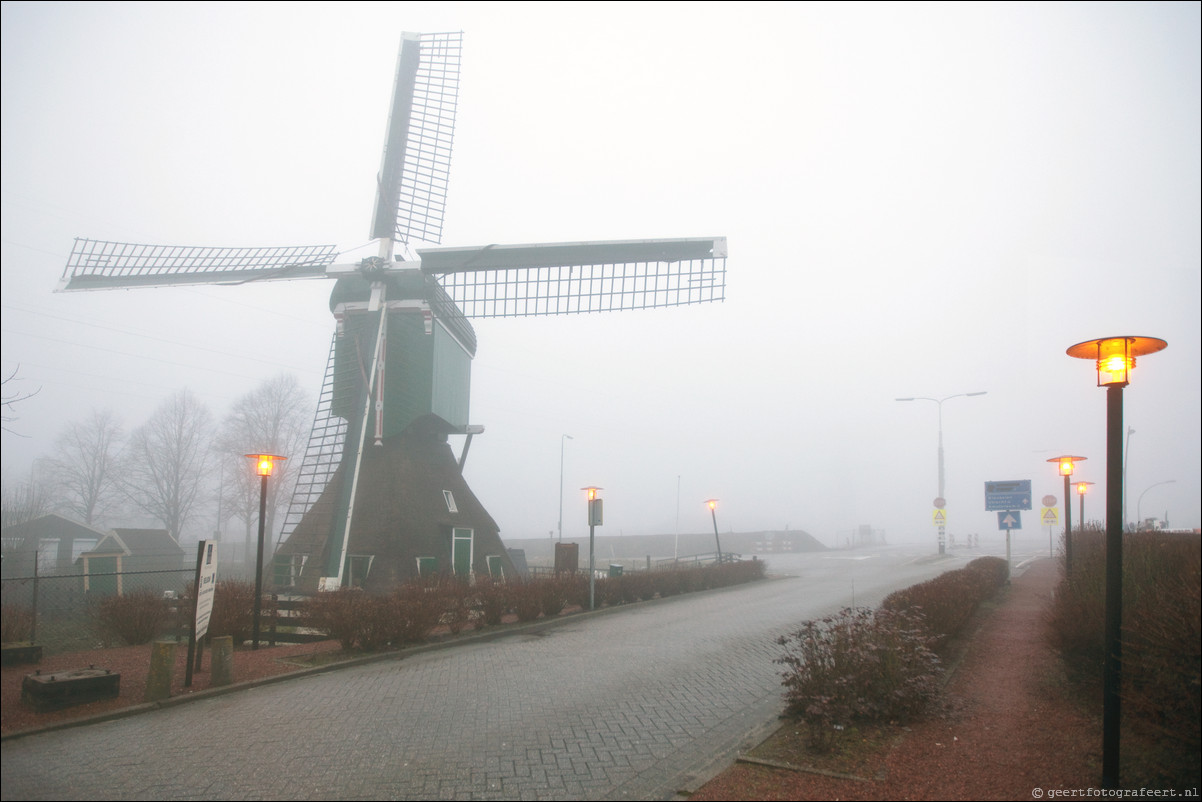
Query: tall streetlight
[
  {"x": 1114, "y": 358},
  {"x": 712, "y": 503},
  {"x": 562, "y": 440},
  {"x": 1065, "y": 464},
  {"x": 1138, "y": 513},
  {"x": 264, "y": 463},
  {"x": 1126, "y": 456},
  {"x": 940, "y": 497},
  {"x": 594, "y": 520},
  {"x": 1082, "y": 489}
]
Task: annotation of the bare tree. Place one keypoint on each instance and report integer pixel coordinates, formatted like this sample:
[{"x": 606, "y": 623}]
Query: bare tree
[
  {"x": 12, "y": 397},
  {"x": 24, "y": 501},
  {"x": 85, "y": 466},
  {"x": 273, "y": 418},
  {"x": 163, "y": 467}
]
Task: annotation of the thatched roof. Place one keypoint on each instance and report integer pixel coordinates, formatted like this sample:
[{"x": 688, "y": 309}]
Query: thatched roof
[{"x": 401, "y": 511}]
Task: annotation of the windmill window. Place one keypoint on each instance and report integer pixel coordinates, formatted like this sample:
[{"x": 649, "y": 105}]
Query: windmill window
[
  {"x": 450, "y": 500},
  {"x": 358, "y": 566}
]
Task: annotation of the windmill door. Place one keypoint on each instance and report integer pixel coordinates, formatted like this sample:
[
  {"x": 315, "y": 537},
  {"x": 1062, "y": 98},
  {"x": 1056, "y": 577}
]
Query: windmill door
[{"x": 461, "y": 551}]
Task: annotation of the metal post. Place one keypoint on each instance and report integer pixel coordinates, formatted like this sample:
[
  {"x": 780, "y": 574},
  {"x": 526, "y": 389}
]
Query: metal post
[
  {"x": 1068, "y": 525},
  {"x": 718, "y": 542},
  {"x": 942, "y": 529},
  {"x": 592, "y": 569},
  {"x": 259, "y": 561},
  {"x": 562, "y": 440},
  {"x": 1112, "y": 668},
  {"x": 1081, "y": 512}
]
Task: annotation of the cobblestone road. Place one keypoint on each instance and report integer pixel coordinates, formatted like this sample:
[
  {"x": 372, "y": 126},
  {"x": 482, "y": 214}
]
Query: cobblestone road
[{"x": 636, "y": 703}]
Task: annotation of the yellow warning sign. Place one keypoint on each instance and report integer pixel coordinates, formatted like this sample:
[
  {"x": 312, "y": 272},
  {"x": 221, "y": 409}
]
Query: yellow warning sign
[
  {"x": 1050, "y": 516},
  {"x": 939, "y": 517}
]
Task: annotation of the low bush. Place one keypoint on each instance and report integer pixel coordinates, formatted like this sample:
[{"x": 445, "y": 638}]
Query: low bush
[
  {"x": 949, "y": 600},
  {"x": 233, "y": 611},
  {"x": 525, "y": 599},
  {"x": 135, "y": 618},
  {"x": 416, "y": 608},
  {"x": 858, "y": 666},
  {"x": 1162, "y": 646},
  {"x": 493, "y": 599},
  {"x": 16, "y": 623},
  {"x": 552, "y": 596},
  {"x": 339, "y": 614}
]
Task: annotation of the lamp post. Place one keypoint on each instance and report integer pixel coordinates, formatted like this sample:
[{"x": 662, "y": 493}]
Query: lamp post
[
  {"x": 562, "y": 440},
  {"x": 1126, "y": 456},
  {"x": 1114, "y": 358},
  {"x": 594, "y": 520},
  {"x": 264, "y": 463},
  {"x": 712, "y": 503},
  {"x": 1138, "y": 514},
  {"x": 1082, "y": 489},
  {"x": 1066, "y": 470},
  {"x": 939, "y": 404}
]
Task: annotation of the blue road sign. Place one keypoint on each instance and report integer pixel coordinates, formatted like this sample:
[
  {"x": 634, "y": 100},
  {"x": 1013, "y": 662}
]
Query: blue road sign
[
  {"x": 1014, "y": 495},
  {"x": 1009, "y": 520}
]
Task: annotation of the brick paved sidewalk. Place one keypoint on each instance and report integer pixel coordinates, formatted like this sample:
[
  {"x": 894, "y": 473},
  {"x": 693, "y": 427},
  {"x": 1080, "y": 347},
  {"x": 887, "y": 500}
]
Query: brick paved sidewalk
[{"x": 1013, "y": 729}]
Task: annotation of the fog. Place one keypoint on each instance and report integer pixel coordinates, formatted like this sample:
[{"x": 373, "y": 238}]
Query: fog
[{"x": 921, "y": 200}]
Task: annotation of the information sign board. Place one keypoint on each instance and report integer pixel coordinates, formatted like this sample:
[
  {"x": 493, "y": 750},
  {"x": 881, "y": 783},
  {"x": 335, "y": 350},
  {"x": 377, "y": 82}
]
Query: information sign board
[{"x": 1015, "y": 495}]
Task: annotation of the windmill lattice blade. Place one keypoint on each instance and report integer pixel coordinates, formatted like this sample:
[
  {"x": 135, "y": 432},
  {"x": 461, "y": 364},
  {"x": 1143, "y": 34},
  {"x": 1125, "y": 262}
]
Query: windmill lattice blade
[
  {"x": 412, "y": 195},
  {"x": 575, "y": 278},
  {"x": 323, "y": 455},
  {"x": 100, "y": 265}
]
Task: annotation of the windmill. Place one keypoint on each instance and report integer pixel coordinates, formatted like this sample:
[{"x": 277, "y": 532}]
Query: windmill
[{"x": 379, "y": 496}]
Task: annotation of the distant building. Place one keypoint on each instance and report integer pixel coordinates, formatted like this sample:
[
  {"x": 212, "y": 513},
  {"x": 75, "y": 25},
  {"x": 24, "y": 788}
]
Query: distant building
[{"x": 49, "y": 546}]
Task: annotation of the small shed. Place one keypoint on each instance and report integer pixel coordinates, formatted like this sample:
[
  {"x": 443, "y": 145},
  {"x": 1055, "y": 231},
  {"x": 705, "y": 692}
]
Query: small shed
[{"x": 128, "y": 559}]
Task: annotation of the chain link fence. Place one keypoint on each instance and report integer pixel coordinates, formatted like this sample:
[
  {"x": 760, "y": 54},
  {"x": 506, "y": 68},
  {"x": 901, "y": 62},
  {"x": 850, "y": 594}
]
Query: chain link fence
[{"x": 59, "y": 612}]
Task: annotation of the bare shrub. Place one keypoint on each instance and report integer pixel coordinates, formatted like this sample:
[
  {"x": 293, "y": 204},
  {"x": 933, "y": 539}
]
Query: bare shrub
[
  {"x": 16, "y": 623},
  {"x": 233, "y": 610},
  {"x": 858, "y": 666},
  {"x": 135, "y": 618}
]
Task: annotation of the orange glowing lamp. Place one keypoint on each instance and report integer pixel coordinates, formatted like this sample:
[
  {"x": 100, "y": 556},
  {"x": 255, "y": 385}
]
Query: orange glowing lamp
[
  {"x": 712, "y": 503},
  {"x": 1066, "y": 464},
  {"x": 1115, "y": 356},
  {"x": 265, "y": 463},
  {"x": 1083, "y": 488}
]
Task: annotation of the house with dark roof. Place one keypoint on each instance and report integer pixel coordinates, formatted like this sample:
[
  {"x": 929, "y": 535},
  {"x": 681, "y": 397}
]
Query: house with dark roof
[{"x": 49, "y": 545}]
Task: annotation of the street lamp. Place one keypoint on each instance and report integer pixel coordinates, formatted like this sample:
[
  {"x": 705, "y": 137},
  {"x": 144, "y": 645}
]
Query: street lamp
[
  {"x": 264, "y": 463},
  {"x": 1114, "y": 358},
  {"x": 1066, "y": 470},
  {"x": 940, "y": 497},
  {"x": 1126, "y": 457},
  {"x": 712, "y": 503},
  {"x": 1082, "y": 489},
  {"x": 1138, "y": 514},
  {"x": 594, "y": 520},
  {"x": 562, "y": 439}
]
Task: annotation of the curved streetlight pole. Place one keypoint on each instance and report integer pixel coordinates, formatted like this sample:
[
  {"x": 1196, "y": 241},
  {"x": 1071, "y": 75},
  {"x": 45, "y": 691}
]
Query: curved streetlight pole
[
  {"x": 562, "y": 439},
  {"x": 1138, "y": 514},
  {"x": 939, "y": 404}
]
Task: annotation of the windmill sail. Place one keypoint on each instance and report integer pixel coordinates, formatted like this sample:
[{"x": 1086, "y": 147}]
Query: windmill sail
[
  {"x": 411, "y": 195},
  {"x": 580, "y": 277}
]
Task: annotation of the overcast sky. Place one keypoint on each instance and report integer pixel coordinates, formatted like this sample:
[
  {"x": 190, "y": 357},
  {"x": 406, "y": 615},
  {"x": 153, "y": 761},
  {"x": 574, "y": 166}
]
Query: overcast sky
[{"x": 920, "y": 200}]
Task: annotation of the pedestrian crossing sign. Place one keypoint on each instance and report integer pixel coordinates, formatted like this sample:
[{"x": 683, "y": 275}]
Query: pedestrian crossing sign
[
  {"x": 939, "y": 517},
  {"x": 1050, "y": 516}
]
